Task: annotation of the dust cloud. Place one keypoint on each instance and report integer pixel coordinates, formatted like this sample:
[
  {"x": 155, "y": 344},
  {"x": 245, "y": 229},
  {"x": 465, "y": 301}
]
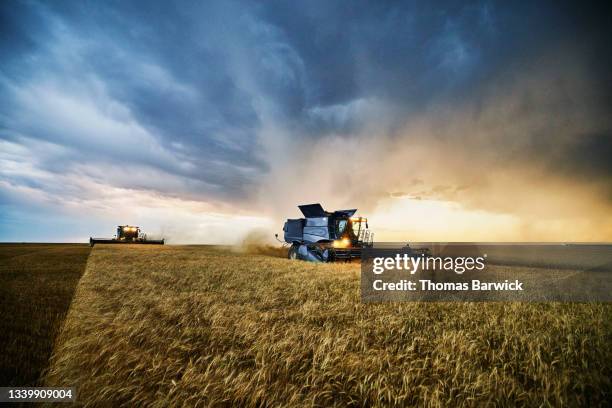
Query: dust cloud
[
  {"x": 258, "y": 242},
  {"x": 524, "y": 153}
]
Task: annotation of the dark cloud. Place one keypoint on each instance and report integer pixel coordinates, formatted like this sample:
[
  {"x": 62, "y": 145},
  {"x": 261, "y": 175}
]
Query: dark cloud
[
  {"x": 587, "y": 159},
  {"x": 200, "y": 100}
]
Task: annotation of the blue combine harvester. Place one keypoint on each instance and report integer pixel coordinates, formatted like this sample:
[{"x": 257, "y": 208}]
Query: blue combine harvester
[{"x": 323, "y": 236}]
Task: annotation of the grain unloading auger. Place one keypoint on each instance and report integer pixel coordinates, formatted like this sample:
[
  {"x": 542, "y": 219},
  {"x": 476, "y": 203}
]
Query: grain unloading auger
[
  {"x": 324, "y": 236},
  {"x": 127, "y": 234}
]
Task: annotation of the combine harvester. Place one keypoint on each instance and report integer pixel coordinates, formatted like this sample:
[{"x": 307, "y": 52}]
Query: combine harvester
[
  {"x": 324, "y": 236},
  {"x": 127, "y": 234}
]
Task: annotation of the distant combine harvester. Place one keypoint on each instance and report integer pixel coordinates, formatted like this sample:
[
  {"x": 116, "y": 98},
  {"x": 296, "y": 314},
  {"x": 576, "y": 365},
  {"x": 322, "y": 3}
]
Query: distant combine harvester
[{"x": 127, "y": 234}]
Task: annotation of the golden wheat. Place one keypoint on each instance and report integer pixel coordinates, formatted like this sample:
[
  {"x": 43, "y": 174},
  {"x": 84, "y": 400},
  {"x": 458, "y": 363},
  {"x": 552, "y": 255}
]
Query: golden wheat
[
  {"x": 203, "y": 326},
  {"x": 37, "y": 282}
]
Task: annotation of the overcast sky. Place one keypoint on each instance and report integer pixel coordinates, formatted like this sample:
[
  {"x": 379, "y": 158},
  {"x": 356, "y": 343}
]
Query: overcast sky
[{"x": 201, "y": 121}]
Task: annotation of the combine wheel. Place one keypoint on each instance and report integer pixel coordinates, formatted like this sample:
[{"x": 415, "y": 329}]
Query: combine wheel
[{"x": 293, "y": 251}]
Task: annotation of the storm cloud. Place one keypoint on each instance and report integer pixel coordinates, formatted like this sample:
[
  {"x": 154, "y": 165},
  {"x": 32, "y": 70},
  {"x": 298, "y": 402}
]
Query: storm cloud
[{"x": 166, "y": 113}]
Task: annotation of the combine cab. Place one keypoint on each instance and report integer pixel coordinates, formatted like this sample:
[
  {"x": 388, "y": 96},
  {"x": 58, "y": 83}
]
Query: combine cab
[
  {"x": 324, "y": 236},
  {"x": 127, "y": 234}
]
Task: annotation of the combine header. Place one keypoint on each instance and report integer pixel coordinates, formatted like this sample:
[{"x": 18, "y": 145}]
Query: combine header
[
  {"x": 127, "y": 234},
  {"x": 324, "y": 236}
]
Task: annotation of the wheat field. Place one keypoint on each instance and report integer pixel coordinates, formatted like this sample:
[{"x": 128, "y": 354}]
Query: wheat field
[
  {"x": 37, "y": 283},
  {"x": 204, "y": 326}
]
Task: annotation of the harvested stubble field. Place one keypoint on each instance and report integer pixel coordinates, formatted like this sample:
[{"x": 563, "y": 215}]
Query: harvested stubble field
[
  {"x": 188, "y": 326},
  {"x": 37, "y": 283}
]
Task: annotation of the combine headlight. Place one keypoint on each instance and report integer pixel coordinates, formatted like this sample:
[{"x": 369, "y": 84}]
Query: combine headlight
[{"x": 342, "y": 243}]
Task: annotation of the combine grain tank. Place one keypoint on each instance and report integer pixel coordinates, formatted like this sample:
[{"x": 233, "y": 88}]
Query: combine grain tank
[{"x": 127, "y": 234}]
